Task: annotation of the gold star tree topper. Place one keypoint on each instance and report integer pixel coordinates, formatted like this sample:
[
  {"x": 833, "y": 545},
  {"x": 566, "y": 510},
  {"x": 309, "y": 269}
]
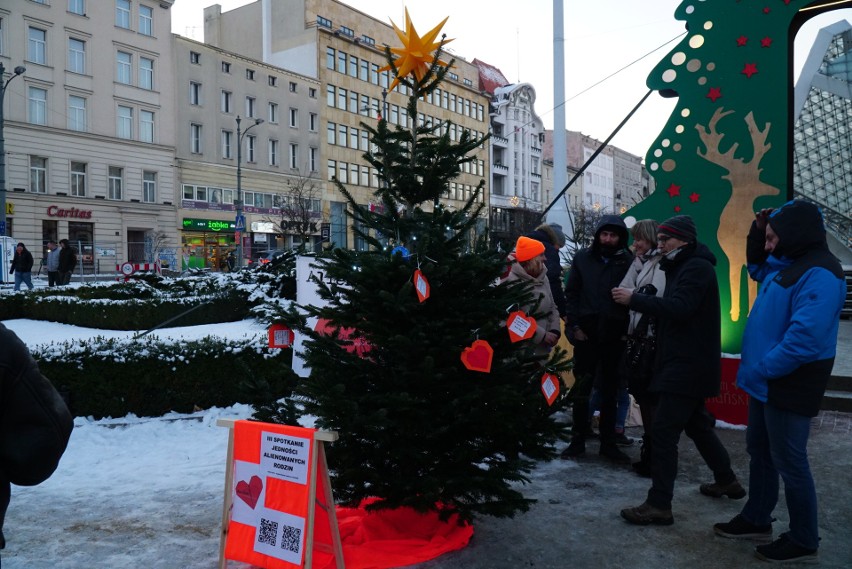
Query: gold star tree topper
[{"x": 416, "y": 54}]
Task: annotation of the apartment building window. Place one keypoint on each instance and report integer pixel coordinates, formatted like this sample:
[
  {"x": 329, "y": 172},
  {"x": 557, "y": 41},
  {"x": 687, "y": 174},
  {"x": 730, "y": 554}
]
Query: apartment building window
[
  {"x": 312, "y": 159},
  {"x": 312, "y": 93},
  {"x": 78, "y": 179},
  {"x": 343, "y": 172},
  {"x": 194, "y": 93},
  {"x": 125, "y": 122},
  {"x": 331, "y": 169},
  {"x": 342, "y": 134},
  {"x": 146, "y": 20},
  {"x": 365, "y": 176},
  {"x": 226, "y": 67},
  {"x": 149, "y": 186},
  {"x": 38, "y": 174},
  {"x": 325, "y": 22},
  {"x": 293, "y": 86},
  {"x": 250, "y": 106},
  {"x": 368, "y": 40},
  {"x": 273, "y": 82},
  {"x": 251, "y": 146},
  {"x": 227, "y": 99},
  {"x": 353, "y": 138},
  {"x": 76, "y": 56},
  {"x": 374, "y": 73},
  {"x": 348, "y": 32},
  {"x": 37, "y": 105},
  {"x": 294, "y": 118},
  {"x": 37, "y": 46},
  {"x": 294, "y": 156},
  {"x": 273, "y": 152},
  {"x": 195, "y": 57},
  {"x": 122, "y": 13},
  {"x": 384, "y": 79},
  {"x": 353, "y": 66},
  {"x": 313, "y": 122},
  {"x": 195, "y": 138},
  {"x": 329, "y": 57},
  {"x": 353, "y": 102},
  {"x": 116, "y": 182},
  {"x": 146, "y": 73},
  {"x": 365, "y": 140},
  {"x": 146, "y": 126},
  {"x": 250, "y": 74},
  {"x": 76, "y": 113},
  {"x": 330, "y": 95},
  {"x": 341, "y": 98},
  {"x": 123, "y": 67},
  {"x": 227, "y": 141},
  {"x": 273, "y": 112},
  {"x": 364, "y": 72},
  {"x": 77, "y": 7},
  {"x": 331, "y": 133},
  {"x": 341, "y": 62}
]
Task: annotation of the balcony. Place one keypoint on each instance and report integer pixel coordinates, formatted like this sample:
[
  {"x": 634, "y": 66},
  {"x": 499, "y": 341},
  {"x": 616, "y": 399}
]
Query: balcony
[
  {"x": 500, "y": 140},
  {"x": 500, "y": 169},
  {"x": 536, "y": 150}
]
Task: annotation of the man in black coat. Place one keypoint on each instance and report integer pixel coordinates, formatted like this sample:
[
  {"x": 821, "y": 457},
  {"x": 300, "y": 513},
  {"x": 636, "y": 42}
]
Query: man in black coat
[
  {"x": 596, "y": 326},
  {"x": 687, "y": 368},
  {"x": 67, "y": 261}
]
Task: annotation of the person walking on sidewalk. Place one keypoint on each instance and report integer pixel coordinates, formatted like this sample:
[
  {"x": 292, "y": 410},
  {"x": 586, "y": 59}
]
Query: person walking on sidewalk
[
  {"x": 52, "y": 263},
  {"x": 22, "y": 267},
  {"x": 686, "y": 370},
  {"x": 596, "y": 326},
  {"x": 789, "y": 346},
  {"x": 67, "y": 261}
]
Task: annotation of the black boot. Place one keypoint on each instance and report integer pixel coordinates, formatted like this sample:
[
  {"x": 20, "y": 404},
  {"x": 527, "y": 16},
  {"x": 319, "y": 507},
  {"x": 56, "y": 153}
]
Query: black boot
[
  {"x": 577, "y": 447},
  {"x": 642, "y": 467}
]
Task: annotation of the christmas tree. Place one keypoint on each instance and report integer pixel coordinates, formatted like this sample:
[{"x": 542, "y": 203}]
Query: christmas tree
[{"x": 417, "y": 428}]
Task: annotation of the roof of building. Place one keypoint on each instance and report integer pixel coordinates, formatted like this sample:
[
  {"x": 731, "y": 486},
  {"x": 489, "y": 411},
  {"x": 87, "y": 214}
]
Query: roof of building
[{"x": 490, "y": 78}]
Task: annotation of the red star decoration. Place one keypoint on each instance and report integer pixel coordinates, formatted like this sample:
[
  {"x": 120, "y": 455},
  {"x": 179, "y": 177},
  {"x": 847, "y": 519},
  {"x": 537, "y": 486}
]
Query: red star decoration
[
  {"x": 677, "y": 209},
  {"x": 694, "y": 197},
  {"x": 714, "y": 93},
  {"x": 786, "y": 2},
  {"x": 749, "y": 69},
  {"x": 741, "y": 41},
  {"x": 766, "y": 42},
  {"x": 766, "y": 10},
  {"x": 673, "y": 190}
]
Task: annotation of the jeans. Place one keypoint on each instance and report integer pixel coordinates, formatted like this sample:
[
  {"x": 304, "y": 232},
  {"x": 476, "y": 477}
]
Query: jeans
[
  {"x": 677, "y": 414},
  {"x": 26, "y": 278},
  {"x": 623, "y": 403},
  {"x": 777, "y": 444}
]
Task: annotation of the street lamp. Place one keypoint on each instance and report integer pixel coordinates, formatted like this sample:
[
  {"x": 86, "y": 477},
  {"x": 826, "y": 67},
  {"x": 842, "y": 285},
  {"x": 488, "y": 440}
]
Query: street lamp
[
  {"x": 238, "y": 203},
  {"x": 3, "y": 84}
]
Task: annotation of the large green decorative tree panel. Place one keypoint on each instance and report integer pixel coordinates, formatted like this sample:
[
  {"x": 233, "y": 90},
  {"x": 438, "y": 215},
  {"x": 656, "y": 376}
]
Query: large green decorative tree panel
[{"x": 725, "y": 151}]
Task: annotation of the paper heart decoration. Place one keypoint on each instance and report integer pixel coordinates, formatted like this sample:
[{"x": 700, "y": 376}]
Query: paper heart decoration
[
  {"x": 421, "y": 285},
  {"x": 550, "y": 387},
  {"x": 478, "y": 356},
  {"x": 249, "y": 492},
  {"x": 520, "y": 326}
]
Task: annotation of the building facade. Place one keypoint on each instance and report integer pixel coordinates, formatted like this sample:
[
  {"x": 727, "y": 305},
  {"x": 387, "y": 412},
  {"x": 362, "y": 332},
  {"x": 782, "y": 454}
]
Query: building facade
[
  {"x": 89, "y": 128},
  {"x": 343, "y": 49},
  {"x": 277, "y": 145}
]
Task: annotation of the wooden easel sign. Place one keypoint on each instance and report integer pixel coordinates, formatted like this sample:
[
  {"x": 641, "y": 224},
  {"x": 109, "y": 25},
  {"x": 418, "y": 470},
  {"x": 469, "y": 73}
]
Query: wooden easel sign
[{"x": 277, "y": 495}]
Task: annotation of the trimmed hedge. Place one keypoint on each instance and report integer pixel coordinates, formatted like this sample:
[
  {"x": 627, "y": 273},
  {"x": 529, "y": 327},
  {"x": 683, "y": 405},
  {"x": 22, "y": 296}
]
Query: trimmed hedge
[{"x": 149, "y": 377}]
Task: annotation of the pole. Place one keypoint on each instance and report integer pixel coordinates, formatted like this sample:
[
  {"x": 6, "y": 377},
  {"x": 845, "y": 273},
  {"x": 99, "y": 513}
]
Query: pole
[
  {"x": 3, "y": 84},
  {"x": 238, "y": 203}
]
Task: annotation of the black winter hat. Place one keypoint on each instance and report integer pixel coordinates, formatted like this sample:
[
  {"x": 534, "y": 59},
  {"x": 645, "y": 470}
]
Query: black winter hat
[{"x": 680, "y": 227}]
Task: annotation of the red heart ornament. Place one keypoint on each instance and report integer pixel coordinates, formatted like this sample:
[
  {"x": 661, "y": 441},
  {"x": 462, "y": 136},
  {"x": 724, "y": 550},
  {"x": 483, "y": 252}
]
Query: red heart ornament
[
  {"x": 550, "y": 387},
  {"x": 478, "y": 356},
  {"x": 249, "y": 492},
  {"x": 520, "y": 326}
]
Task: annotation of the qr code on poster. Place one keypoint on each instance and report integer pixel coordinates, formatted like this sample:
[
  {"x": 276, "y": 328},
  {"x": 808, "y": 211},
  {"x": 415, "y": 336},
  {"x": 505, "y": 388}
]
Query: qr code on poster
[
  {"x": 267, "y": 532},
  {"x": 290, "y": 538}
]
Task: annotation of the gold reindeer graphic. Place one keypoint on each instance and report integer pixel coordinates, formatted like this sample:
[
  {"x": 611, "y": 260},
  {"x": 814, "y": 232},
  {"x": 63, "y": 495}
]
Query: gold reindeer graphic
[{"x": 746, "y": 186}]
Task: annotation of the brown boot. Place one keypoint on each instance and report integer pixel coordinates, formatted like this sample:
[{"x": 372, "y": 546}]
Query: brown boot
[
  {"x": 647, "y": 514},
  {"x": 734, "y": 490}
]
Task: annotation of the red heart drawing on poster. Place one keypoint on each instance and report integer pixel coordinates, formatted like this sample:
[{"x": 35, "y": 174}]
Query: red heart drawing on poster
[
  {"x": 249, "y": 492},
  {"x": 478, "y": 356}
]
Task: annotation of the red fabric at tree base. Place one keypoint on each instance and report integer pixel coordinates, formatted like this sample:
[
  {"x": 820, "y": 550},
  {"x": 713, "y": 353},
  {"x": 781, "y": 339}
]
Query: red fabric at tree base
[{"x": 394, "y": 538}]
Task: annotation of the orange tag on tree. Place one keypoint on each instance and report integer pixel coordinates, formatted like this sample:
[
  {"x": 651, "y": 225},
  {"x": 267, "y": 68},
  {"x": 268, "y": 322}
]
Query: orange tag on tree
[
  {"x": 421, "y": 285},
  {"x": 478, "y": 356},
  {"x": 520, "y": 326},
  {"x": 550, "y": 387}
]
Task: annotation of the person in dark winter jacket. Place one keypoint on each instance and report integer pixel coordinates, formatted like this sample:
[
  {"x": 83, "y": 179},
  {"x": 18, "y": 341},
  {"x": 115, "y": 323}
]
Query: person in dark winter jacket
[
  {"x": 553, "y": 239},
  {"x": 22, "y": 267},
  {"x": 67, "y": 261},
  {"x": 35, "y": 423},
  {"x": 686, "y": 369},
  {"x": 596, "y": 326},
  {"x": 788, "y": 352}
]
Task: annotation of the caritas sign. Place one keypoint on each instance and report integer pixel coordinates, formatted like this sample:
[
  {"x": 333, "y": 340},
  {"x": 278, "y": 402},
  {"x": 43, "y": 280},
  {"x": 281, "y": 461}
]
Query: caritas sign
[{"x": 56, "y": 211}]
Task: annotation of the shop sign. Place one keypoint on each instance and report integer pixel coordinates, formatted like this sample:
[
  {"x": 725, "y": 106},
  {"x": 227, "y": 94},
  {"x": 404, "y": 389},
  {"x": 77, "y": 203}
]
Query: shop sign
[
  {"x": 56, "y": 211},
  {"x": 193, "y": 224}
]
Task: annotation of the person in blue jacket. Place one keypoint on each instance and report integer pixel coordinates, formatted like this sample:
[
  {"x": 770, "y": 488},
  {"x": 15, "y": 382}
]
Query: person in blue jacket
[{"x": 788, "y": 352}]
